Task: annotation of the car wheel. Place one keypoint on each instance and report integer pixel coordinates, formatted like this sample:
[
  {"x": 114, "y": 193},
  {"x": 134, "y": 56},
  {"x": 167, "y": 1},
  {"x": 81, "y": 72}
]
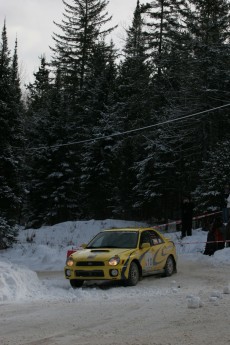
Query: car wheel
[
  {"x": 75, "y": 283},
  {"x": 134, "y": 275},
  {"x": 169, "y": 267}
]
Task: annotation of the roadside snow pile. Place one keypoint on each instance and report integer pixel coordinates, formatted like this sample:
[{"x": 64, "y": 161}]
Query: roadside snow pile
[
  {"x": 20, "y": 284},
  {"x": 190, "y": 244},
  {"x": 71, "y": 233},
  {"x": 17, "y": 283},
  {"x": 37, "y": 257}
]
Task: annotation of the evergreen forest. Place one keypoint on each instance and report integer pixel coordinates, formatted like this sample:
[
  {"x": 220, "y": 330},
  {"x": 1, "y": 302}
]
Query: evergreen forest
[{"x": 110, "y": 132}]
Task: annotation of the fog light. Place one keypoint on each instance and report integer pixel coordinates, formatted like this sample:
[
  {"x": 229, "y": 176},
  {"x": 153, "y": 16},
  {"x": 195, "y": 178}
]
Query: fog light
[
  {"x": 68, "y": 273},
  {"x": 114, "y": 273}
]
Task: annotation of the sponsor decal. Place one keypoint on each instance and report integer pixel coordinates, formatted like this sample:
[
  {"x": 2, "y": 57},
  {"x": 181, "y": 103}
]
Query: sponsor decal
[{"x": 124, "y": 268}]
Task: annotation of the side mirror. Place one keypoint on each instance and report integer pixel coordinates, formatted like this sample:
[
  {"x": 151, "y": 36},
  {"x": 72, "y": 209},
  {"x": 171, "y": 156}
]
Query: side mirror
[
  {"x": 145, "y": 245},
  {"x": 83, "y": 245}
]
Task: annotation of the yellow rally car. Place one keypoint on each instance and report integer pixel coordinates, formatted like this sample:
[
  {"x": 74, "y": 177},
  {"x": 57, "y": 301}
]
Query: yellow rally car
[{"x": 122, "y": 254}]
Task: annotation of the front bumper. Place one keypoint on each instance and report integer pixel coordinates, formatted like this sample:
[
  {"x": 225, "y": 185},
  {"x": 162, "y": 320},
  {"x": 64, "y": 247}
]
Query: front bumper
[{"x": 96, "y": 273}]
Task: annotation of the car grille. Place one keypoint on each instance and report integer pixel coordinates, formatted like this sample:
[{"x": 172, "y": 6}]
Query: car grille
[
  {"x": 90, "y": 263},
  {"x": 94, "y": 273}
]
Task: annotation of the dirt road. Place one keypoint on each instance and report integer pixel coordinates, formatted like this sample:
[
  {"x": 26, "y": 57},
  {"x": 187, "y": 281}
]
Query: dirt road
[{"x": 154, "y": 312}]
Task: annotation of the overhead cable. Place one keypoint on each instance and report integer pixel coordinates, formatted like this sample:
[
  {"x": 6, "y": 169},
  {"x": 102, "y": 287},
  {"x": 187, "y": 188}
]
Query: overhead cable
[{"x": 131, "y": 130}]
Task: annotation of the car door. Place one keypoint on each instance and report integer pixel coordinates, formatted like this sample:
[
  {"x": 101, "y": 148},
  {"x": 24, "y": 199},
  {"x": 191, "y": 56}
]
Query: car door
[
  {"x": 149, "y": 254},
  {"x": 152, "y": 258},
  {"x": 157, "y": 250}
]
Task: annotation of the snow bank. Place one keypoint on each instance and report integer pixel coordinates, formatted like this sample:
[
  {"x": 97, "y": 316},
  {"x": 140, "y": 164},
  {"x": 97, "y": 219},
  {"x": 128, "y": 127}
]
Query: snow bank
[
  {"x": 45, "y": 249},
  {"x": 17, "y": 283}
]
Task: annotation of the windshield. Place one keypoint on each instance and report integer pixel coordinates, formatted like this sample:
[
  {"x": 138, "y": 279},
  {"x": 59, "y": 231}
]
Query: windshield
[{"x": 114, "y": 239}]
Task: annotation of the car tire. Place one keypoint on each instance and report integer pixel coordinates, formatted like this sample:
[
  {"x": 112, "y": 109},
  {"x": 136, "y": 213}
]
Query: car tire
[
  {"x": 134, "y": 275},
  {"x": 169, "y": 267},
  {"x": 75, "y": 283}
]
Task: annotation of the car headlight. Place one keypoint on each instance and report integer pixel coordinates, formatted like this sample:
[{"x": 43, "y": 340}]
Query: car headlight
[
  {"x": 114, "y": 261},
  {"x": 69, "y": 262}
]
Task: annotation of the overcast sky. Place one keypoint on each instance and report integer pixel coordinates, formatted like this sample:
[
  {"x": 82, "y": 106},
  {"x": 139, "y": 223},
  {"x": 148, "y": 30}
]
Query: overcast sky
[{"x": 31, "y": 21}]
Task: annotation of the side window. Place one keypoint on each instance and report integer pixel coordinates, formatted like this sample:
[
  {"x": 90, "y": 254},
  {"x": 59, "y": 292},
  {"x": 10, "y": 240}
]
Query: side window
[
  {"x": 155, "y": 238},
  {"x": 145, "y": 238}
]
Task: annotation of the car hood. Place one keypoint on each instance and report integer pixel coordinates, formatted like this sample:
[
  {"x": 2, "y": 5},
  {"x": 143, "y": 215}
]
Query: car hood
[{"x": 100, "y": 254}]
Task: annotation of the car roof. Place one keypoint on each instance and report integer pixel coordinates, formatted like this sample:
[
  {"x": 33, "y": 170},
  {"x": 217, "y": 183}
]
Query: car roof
[{"x": 129, "y": 229}]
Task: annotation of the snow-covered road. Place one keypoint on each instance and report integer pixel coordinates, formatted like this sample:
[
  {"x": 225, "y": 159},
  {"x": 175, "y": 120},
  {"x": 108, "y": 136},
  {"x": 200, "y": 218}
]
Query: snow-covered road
[{"x": 155, "y": 312}]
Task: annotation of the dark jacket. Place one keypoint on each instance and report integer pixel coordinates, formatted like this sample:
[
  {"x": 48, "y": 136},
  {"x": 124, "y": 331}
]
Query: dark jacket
[
  {"x": 227, "y": 234},
  {"x": 210, "y": 247},
  {"x": 215, "y": 238},
  {"x": 224, "y": 198},
  {"x": 187, "y": 212}
]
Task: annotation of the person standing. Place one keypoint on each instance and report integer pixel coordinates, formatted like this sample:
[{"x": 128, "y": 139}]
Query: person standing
[
  {"x": 210, "y": 246},
  {"x": 227, "y": 234},
  {"x": 228, "y": 207},
  {"x": 186, "y": 217},
  {"x": 226, "y": 203},
  {"x": 215, "y": 238}
]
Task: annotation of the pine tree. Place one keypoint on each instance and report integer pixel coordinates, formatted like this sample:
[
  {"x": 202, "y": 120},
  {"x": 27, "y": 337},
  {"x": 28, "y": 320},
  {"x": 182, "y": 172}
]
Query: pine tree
[
  {"x": 203, "y": 84},
  {"x": 186, "y": 57},
  {"x": 11, "y": 114},
  {"x": 154, "y": 167},
  {"x": 209, "y": 28},
  {"x": 51, "y": 174},
  {"x": 131, "y": 111},
  {"x": 81, "y": 58},
  {"x": 213, "y": 176},
  {"x": 37, "y": 133},
  {"x": 97, "y": 159},
  {"x": 164, "y": 27},
  {"x": 83, "y": 25},
  {"x": 211, "y": 48},
  {"x": 82, "y": 29}
]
